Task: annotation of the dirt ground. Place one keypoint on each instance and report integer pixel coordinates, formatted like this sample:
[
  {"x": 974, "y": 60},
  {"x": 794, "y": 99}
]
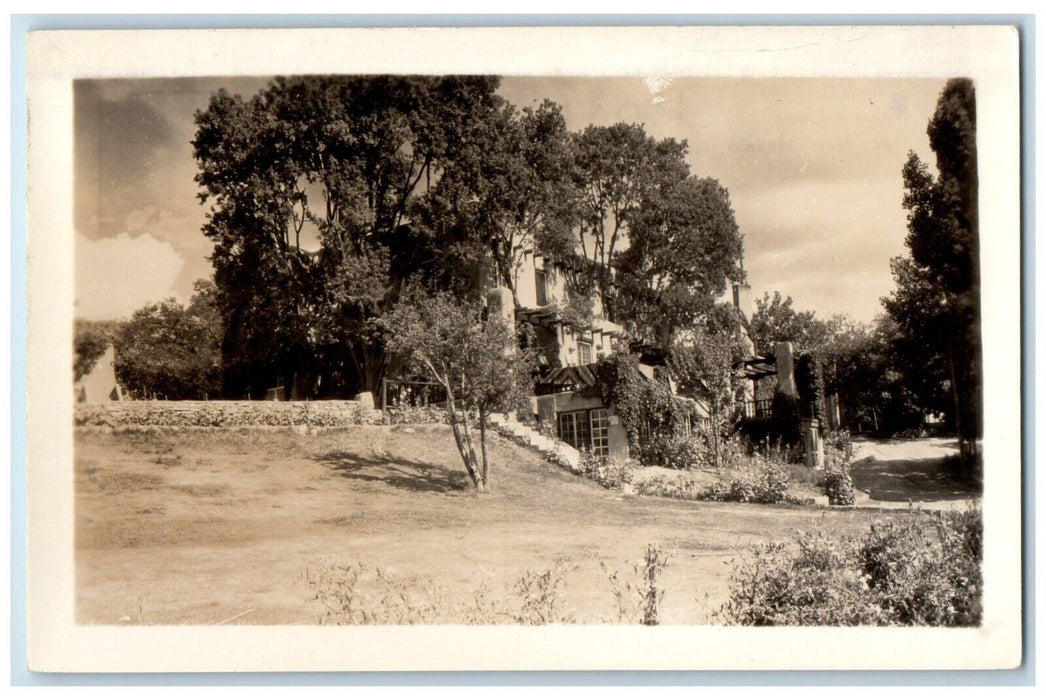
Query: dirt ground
[
  {"x": 215, "y": 526},
  {"x": 894, "y": 473}
]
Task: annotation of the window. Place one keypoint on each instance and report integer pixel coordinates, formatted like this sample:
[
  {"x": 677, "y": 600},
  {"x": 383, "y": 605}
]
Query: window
[
  {"x": 586, "y": 430},
  {"x": 600, "y": 436},
  {"x": 568, "y": 428},
  {"x": 541, "y": 286},
  {"x": 584, "y": 352}
]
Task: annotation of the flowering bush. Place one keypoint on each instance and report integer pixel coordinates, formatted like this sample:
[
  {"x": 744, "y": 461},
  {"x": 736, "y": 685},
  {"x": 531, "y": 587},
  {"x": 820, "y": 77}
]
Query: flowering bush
[
  {"x": 926, "y": 574},
  {"x": 916, "y": 571},
  {"x": 839, "y": 487},
  {"x": 604, "y": 470},
  {"x": 809, "y": 584},
  {"x": 683, "y": 488},
  {"x": 674, "y": 452},
  {"x": 838, "y": 483},
  {"x": 839, "y": 440},
  {"x": 755, "y": 481}
]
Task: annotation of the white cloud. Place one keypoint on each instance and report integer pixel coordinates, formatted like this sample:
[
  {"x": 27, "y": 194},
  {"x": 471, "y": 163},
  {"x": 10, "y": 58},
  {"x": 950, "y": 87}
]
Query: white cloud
[
  {"x": 116, "y": 276},
  {"x": 657, "y": 85}
]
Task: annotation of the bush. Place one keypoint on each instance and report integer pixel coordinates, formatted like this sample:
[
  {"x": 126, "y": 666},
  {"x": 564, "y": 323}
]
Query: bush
[
  {"x": 755, "y": 481},
  {"x": 674, "y": 452},
  {"x": 916, "y": 571},
  {"x": 604, "y": 470},
  {"x": 838, "y": 483},
  {"x": 839, "y": 487},
  {"x": 682, "y": 488},
  {"x": 811, "y": 586},
  {"x": 733, "y": 452},
  {"x": 922, "y": 579},
  {"x": 839, "y": 440}
]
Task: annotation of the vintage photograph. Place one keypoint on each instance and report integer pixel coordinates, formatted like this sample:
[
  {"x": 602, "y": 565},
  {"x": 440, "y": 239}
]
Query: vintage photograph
[{"x": 499, "y": 349}]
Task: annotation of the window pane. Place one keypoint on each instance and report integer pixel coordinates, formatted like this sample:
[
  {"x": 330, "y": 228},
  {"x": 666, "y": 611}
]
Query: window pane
[
  {"x": 567, "y": 432},
  {"x": 584, "y": 351},
  {"x": 542, "y": 289},
  {"x": 600, "y": 440},
  {"x": 584, "y": 433}
]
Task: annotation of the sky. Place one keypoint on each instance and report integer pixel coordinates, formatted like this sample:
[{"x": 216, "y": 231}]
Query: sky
[{"x": 813, "y": 168}]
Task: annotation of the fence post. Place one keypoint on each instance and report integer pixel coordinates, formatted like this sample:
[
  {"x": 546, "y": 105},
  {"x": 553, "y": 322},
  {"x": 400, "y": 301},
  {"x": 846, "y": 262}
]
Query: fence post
[{"x": 384, "y": 392}]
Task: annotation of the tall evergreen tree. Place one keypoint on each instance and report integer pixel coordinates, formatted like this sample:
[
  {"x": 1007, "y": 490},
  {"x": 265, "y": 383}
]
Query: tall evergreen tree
[{"x": 937, "y": 301}]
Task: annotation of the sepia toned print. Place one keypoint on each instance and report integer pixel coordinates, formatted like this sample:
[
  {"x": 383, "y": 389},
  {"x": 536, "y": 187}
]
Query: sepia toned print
[
  {"x": 365, "y": 349},
  {"x": 556, "y": 318}
]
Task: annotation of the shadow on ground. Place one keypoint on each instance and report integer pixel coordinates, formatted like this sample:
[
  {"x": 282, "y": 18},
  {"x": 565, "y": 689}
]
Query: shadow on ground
[
  {"x": 399, "y": 473},
  {"x": 913, "y": 480}
]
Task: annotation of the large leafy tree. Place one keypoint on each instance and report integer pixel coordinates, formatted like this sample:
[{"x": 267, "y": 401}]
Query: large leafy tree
[
  {"x": 683, "y": 246},
  {"x": 474, "y": 359},
  {"x": 172, "y": 351},
  {"x": 312, "y": 183},
  {"x": 510, "y": 194},
  {"x": 776, "y": 320},
  {"x": 618, "y": 169},
  {"x": 864, "y": 370},
  {"x": 937, "y": 301}
]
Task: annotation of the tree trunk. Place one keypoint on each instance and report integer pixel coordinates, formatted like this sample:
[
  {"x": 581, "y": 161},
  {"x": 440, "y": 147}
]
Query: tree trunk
[
  {"x": 472, "y": 461},
  {"x": 459, "y": 439},
  {"x": 483, "y": 446},
  {"x": 965, "y": 454}
]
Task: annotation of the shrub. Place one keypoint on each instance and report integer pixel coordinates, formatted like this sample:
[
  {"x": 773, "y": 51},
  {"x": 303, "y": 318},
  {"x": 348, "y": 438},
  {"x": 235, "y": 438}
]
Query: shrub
[
  {"x": 733, "y": 452},
  {"x": 753, "y": 481},
  {"x": 838, "y": 483},
  {"x": 682, "y": 487},
  {"x": 839, "y": 487},
  {"x": 674, "y": 452},
  {"x": 926, "y": 578},
  {"x": 916, "y": 571},
  {"x": 839, "y": 440},
  {"x": 604, "y": 470},
  {"x": 811, "y": 586}
]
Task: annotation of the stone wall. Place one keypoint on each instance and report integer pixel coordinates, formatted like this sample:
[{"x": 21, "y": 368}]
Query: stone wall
[{"x": 234, "y": 413}]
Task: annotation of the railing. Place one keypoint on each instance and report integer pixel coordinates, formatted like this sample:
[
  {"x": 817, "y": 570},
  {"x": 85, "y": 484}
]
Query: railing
[
  {"x": 763, "y": 408},
  {"x": 396, "y": 392}
]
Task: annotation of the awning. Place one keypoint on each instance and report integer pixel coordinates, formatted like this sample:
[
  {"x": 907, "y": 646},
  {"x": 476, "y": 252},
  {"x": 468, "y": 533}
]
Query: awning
[{"x": 566, "y": 378}]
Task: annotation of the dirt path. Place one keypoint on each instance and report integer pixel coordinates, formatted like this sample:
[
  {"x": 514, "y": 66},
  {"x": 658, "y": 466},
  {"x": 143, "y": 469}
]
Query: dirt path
[{"x": 899, "y": 473}]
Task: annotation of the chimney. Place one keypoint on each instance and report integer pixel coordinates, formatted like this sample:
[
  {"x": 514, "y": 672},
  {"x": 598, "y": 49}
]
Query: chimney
[
  {"x": 743, "y": 299},
  {"x": 785, "y": 369}
]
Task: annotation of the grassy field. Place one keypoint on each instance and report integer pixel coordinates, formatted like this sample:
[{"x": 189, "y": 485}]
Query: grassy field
[{"x": 211, "y": 526}]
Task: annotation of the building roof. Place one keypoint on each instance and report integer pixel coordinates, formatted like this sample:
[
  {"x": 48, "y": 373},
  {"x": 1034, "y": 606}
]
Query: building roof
[
  {"x": 759, "y": 366},
  {"x": 568, "y": 378}
]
